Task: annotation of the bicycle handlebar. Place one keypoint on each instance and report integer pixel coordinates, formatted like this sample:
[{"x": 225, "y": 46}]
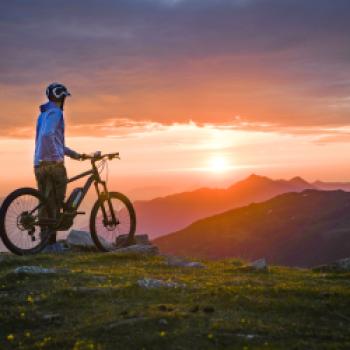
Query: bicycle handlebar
[{"x": 99, "y": 156}]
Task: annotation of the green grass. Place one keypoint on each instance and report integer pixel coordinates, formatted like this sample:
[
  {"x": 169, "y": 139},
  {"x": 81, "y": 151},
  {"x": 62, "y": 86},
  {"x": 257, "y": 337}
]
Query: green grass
[{"x": 98, "y": 305}]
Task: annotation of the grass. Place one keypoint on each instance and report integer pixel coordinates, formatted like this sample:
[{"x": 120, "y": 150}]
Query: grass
[{"x": 98, "y": 305}]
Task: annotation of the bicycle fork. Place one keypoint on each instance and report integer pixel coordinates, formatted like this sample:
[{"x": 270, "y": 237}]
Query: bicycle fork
[{"x": 102, "y": 196}]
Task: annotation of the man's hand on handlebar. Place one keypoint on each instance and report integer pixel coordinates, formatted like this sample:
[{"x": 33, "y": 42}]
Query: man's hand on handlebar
[{"x": 98, "y": 155}]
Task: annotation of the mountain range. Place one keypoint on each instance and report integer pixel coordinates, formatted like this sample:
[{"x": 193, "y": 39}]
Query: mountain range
[
  {"x": 295, "y": 229},
  {"x": 167, "y": 214}
]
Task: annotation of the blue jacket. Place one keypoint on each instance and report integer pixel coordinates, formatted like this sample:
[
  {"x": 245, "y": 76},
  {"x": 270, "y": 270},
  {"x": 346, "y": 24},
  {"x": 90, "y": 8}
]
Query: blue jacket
[{"x": 49, "y": 140}]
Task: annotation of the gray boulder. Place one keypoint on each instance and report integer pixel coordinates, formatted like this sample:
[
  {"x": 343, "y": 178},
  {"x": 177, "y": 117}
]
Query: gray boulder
[
  {"x": 150, "y": 283},
  {"x": 257, "y": 265},
  {"x": 34, "y": 270},
  {"x": 342, "y": 265},
  {"x": 138, "y": 249},
  {"x": 56, "y": 248},
  {"x": 179, "y": 262},
  {"x": 260, "y": 264},
  {"x": 82, "y": 240},
  {"x": 138, "y": 239}
]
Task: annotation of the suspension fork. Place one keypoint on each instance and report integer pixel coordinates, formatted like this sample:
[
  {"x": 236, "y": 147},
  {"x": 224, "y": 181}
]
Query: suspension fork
[{"x": 102, "y": 196}]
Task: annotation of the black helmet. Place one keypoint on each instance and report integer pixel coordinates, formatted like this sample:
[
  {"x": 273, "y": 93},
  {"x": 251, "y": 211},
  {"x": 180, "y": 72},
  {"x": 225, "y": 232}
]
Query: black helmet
[{"x": 56, "y": 92}]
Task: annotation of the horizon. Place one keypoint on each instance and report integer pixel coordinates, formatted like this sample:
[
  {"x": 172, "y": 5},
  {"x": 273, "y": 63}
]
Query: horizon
[{"x": 263, "y": 89}]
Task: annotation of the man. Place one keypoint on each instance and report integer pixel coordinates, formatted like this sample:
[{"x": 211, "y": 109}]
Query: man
[{"x": 50, "y": 149}]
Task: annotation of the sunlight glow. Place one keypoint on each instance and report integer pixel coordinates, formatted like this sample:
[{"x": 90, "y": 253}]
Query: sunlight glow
[{"x": 218, "y": 164}]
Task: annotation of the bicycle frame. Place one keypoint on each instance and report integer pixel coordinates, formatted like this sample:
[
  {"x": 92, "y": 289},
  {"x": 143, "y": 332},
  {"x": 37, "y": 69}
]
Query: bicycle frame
[{"x": 94, "y": 178}]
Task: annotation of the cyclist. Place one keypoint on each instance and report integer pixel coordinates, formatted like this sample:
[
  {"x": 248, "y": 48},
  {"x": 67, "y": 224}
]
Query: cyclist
[{"x": 50, "y": 149}]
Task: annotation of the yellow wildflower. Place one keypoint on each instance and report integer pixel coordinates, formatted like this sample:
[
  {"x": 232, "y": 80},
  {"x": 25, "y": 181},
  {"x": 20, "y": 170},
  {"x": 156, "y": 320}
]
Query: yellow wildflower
[{"x": 10, "y": 337}]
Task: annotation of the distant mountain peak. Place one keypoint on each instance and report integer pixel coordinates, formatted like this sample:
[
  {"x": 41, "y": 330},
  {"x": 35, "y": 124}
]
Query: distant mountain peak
[
  {"x": 255, "y": 177},
  {"x": 252, "y": 179},
  {"x": 297, "y": 180}
]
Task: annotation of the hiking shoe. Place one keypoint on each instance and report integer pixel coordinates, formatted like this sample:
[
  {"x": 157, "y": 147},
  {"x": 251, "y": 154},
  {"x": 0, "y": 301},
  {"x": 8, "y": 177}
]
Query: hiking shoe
[{"x": 57, "y": 248}]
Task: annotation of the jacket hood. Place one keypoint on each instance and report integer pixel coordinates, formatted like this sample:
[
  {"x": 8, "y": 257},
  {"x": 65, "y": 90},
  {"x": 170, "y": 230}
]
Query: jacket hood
[{"x": 48, "y": 105}]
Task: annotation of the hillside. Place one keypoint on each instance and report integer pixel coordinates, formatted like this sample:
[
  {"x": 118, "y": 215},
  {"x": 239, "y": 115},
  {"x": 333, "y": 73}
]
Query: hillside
[
  {"x": 171, "y": 213},
  {"x": 294, "y": 229},
  {"x": 97, "y": 304}
]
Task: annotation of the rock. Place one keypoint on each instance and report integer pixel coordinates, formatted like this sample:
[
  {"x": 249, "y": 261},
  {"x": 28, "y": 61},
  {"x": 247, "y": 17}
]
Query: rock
[
  {"x": 247, "y": 336},
  {"x": 163, "y": 322},
  {"x": 139, "y": 249},
  {"x": 342, "y": 265},
  {"x": 125, "y": 322},
  {"x": 150, "y": 283},
  {"x": 56, "y": 248},
  {"x": 121, "y": 240},
  {"x": 82, "y": 240},
  {"x": 91, "y": 290},
  {"x": 179, "y": 262},
  {"x": 52, "y": 318},
  {"x": 260, "y": 264},
  {"x": 34, "y": 270}
]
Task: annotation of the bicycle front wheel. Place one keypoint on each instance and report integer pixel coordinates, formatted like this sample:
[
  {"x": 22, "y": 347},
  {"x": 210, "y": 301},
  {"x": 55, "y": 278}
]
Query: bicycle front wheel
[
  {"x": 19, "y": 227},
  {"x": 108, "y": 236}
]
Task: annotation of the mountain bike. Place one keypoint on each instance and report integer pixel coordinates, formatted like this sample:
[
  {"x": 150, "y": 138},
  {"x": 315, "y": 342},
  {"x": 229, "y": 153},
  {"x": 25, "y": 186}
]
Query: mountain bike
[{"x": 112, "y": 218}]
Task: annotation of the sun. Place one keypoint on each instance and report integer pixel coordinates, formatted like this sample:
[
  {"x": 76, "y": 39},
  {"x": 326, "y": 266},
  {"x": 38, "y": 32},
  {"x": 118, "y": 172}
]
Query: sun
[{"x": 218, "y": 164}]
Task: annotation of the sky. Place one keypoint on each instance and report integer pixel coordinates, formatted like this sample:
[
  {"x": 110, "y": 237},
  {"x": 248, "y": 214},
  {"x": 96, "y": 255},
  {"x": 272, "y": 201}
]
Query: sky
[{"x": 191, "y": 92}]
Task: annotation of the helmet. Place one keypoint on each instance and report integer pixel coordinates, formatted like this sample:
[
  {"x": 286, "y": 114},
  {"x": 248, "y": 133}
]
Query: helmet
[{"x": 56, "y": 92}]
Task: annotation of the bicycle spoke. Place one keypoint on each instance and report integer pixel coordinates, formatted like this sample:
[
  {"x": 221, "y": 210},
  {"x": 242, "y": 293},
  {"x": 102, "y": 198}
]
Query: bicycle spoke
[
  {"x": 19, "y": 236},
  {"x": 110, "y": 234}
]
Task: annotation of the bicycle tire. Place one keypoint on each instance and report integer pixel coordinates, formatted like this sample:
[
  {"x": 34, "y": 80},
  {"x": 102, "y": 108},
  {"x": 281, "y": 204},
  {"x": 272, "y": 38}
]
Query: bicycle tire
[
  {"x": 98, "y": 239},
  {"x": 5, "y": 236}
]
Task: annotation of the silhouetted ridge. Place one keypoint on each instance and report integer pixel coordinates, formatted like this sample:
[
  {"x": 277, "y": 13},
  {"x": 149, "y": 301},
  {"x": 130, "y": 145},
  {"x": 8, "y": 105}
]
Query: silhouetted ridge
[
  {"x": 174, "y": 212},
  {"x": 298, "y": 229}
]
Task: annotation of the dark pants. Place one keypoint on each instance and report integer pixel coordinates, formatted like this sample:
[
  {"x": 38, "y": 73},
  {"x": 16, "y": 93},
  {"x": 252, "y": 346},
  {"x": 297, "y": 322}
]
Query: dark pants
[{"x": 52, "y": 184}]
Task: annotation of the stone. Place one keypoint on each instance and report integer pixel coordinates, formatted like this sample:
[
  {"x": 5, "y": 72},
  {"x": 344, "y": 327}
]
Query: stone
[
  {"x": 260, "y": 264},
  {"x": 247, "y": 336},
  {"x": 138, "y": 249},
  {"x": 52, "y": 318},
  {"x": 82, "y": 240},
  {"x": 163, "y": 322},
  {"x": 56, "y": 248},
  {"x": 125, "y": 322},
  {"x": 179, "y": 262},
  {"x": 91, "y": 290},
  {"x": 150, "y": 283},
  {"x": 138, "y": 239},
  {"x": 342, "y": 265},
  {"x": 34, "y": 270}
]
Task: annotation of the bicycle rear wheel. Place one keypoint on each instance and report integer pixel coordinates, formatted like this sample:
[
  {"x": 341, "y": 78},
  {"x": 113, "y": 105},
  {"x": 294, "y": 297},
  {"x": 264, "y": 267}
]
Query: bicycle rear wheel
[
  {"x": 105, "y": 235},
  {"x": 19, "y": 227}
]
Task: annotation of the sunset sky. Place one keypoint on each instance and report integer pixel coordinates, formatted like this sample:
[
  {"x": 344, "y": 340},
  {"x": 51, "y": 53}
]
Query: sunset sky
[{"x": 191, "y": 92}]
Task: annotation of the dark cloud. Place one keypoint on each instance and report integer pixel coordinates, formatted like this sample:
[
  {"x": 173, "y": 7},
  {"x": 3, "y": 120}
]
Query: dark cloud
[{"x": 288, "y": 57}]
